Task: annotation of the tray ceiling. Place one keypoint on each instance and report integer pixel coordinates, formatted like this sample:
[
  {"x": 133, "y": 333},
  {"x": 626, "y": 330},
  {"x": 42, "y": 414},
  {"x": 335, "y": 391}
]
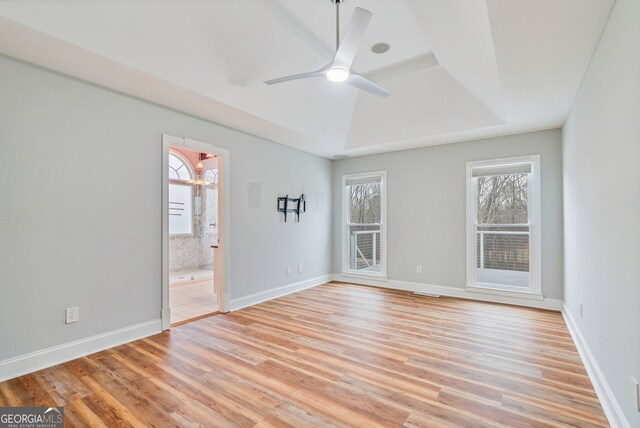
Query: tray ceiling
[{"x": 457, "y": 70}]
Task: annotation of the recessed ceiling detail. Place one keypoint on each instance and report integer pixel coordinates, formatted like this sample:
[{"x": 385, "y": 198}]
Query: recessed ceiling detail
[
  {"x": 458, "y": 70},
  {"x": 380, "y": 48}
]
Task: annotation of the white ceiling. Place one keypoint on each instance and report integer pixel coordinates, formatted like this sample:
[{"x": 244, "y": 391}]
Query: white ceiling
[{"x": 457, "y": 69}]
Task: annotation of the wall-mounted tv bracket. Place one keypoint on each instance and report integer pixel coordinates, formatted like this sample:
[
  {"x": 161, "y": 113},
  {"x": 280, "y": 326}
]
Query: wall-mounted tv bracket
[{"x": 292, "y": 205}]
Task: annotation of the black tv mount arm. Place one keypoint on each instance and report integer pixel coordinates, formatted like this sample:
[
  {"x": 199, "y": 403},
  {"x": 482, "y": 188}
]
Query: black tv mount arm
[{"x": 299, "y": 206}]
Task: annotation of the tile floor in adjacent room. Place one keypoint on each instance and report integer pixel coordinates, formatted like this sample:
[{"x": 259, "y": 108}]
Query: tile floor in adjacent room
[{"x": 191, "y": 300}]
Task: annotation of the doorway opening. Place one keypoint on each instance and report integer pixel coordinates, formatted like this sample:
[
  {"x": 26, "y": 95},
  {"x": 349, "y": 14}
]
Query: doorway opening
[
  {"x": 193, "y": 234},
  {"x": 193, "y": 267}
]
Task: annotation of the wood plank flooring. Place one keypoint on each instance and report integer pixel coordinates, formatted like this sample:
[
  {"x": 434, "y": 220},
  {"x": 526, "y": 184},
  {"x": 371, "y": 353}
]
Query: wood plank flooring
[{"x": 335, "y": 355}]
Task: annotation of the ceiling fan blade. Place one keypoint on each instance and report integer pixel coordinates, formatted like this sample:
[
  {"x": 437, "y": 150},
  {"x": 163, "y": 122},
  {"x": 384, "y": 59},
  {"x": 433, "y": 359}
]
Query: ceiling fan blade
[
  {"x": 402, "y": 68},
  {"x": 319, "y": 73},
  {"x": 352, "y": 38},
  {"x": 364, "y": 84}
]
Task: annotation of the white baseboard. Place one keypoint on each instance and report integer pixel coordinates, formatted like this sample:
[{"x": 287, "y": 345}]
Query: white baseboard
[
  {"x": 254, "y": 299},
  {"x": 610, "y": 405},
  {"x": 443, "y": 290},
  {"x": 34, "y": 361}
]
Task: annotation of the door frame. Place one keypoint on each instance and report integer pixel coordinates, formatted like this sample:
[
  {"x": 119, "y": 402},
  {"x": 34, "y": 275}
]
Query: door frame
[{"x": 221, "y": 254}]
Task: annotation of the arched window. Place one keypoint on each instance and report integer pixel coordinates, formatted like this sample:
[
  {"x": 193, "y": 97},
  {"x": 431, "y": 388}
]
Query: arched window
[
  {"x": 179, "y": 167},
  {"x": 180, "y": 194}
]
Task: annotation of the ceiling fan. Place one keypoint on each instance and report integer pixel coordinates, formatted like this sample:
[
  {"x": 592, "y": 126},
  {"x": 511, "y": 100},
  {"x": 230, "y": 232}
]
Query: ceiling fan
[{"x": 339, "y": 70}]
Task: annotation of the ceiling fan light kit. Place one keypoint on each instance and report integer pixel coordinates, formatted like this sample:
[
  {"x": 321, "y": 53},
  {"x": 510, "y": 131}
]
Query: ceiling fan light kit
[
  {"x": 337, "y": 74},
  {"x": 339, "y": 70}
]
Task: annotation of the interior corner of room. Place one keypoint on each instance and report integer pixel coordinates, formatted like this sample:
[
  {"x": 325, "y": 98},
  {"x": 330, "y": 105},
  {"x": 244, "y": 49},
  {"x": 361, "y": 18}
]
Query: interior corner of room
[{"x": 460, "y": 241}]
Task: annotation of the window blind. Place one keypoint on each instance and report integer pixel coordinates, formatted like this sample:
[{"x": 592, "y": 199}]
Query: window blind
[
  {"x": 513, "y": 168},
  {"x": 355, "y": 181}
]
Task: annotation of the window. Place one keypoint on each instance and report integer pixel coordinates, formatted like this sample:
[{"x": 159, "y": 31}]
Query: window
[
  {"x": 503, "y": 225},
  {"x": 180, "y": 195},
  {"x": 180, "y": 209},
  {"x": 364, "y": 229},
  {"x": 179, "y": 167},
  {"x": 211, "y": 176}
]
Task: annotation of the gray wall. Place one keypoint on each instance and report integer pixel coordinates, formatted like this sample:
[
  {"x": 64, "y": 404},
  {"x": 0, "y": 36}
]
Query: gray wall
[
  {"x": 426, "y": 206},
  {"x": 601, "y": 149},
  {"x": 80, "y": 207}
]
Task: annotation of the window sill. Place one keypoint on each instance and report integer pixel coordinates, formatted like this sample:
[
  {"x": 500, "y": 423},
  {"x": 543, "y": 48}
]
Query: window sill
[{"x": 487, "y": 289}]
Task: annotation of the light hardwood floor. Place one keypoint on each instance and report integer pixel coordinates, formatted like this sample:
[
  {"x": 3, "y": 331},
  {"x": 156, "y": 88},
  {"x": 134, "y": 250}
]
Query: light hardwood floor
[{"x": 334, "y": 355}]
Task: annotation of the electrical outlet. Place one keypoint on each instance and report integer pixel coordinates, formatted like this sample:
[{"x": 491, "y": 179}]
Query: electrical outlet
[
  {"x": 637, "y": 392},
  {"x": 288, "y": 270},
  {"x": 299, "y": 268},
  {"x": 581, "y": 310},
  {"x": 71, "y": 315},
  {"x": 418, "y": 268}
]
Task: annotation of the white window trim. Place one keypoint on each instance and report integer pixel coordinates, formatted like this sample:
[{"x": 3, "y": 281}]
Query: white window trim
[
  {"x": 346, "y": 271},
  {"x": 535, "y": 219}
]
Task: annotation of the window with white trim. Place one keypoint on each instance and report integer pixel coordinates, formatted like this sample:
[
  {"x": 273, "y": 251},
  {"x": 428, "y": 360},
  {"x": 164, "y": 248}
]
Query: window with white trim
[
  {"x": 503, "y": 225},
  {"x": 181, "y": 176},
  {"x": 364, "y": 228}
]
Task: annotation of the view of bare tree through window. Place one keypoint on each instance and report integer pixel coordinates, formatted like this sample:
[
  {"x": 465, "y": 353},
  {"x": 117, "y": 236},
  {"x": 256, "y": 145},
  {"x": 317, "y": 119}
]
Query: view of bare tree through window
[
  {"x": 502, "y": 199},
  {"x": 364, "y": 225},
  {"x": 502, "y": 229},
  {"x": 365, "y": 203}
]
